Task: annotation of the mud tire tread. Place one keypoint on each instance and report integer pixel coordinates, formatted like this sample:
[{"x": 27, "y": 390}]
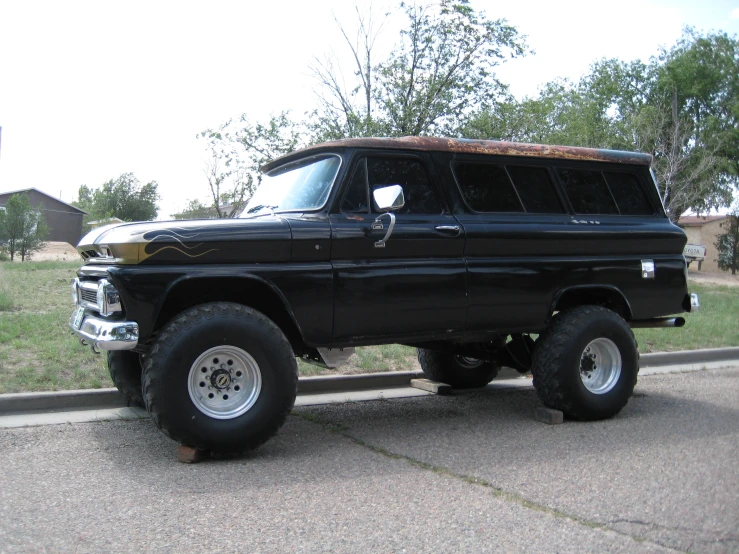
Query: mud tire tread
[
  {"x": 444, "y": 368},
  {"x": 155, "y": 371},
  {"x": 550, "y": 363},
  {"x": 125, "y": 370}
]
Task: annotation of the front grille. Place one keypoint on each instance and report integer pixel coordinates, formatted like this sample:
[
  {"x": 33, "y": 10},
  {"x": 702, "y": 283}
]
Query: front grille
[
  {"x": 87, "y": 292},
  {"x": 88, "y": 296}
]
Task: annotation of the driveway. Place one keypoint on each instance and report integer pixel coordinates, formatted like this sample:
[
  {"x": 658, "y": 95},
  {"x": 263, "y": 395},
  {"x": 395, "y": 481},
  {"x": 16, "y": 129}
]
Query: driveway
[{"x": 472, "y": 472}]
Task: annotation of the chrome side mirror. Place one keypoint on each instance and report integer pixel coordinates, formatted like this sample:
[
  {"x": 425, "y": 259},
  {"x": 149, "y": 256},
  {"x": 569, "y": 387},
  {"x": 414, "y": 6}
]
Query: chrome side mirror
[{"x": 389, "y": 198}]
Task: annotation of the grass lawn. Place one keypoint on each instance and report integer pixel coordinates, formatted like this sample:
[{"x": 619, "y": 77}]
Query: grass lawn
[
  {"x": 37, "y": 349},
  {"x": 38, "y": 352},
  {"x": 713, "y": 326}
]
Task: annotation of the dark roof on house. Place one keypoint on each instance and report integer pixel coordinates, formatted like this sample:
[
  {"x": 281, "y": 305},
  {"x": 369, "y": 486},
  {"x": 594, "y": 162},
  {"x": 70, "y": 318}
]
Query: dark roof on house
[
  {"x": 12, "y": 192},
  {"x": 699, "y": 220},
  {"x": 470, "y": 146}
]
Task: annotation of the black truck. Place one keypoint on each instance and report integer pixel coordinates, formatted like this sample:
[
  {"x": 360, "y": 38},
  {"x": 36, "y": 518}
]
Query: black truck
[{"x": 480, "y": 254}]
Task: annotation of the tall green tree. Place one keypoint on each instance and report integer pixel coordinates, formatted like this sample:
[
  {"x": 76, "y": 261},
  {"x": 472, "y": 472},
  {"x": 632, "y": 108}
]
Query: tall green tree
[
  {"x": 123, "y": 197},
  {"x": 700, "y": 77},
  {"x": 441, "y": 70},
  {"x": 234, "y": 153},
  {"x": 23, "y": 228},
  {"x": 727, "y": 244},
  {"x": 196, "y": 210},
  {"x": 681, "y": 107}
]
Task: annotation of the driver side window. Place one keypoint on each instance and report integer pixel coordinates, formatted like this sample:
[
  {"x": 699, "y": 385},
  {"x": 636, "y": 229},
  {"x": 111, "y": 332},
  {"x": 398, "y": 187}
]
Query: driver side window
[{"x": 375, "y": 172}]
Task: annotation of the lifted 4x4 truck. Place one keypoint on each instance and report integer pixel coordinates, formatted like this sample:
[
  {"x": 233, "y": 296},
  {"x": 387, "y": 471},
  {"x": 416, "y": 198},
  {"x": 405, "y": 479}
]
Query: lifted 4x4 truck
[{"x": 466, "y": 250}]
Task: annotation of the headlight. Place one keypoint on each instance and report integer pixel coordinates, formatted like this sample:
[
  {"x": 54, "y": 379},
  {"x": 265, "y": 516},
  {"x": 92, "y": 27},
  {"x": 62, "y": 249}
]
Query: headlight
[
  {"x": 75, "y": 292},
  {"x": 108, "y": 300}
]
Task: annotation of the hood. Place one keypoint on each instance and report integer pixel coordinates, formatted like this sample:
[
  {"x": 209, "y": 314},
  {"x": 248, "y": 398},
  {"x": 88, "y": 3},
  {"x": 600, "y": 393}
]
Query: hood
[{"x": 262, "y": 239}]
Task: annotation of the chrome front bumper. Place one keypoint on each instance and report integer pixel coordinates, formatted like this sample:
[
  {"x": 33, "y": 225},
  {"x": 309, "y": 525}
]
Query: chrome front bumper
[{"x": 104, "y": 334}]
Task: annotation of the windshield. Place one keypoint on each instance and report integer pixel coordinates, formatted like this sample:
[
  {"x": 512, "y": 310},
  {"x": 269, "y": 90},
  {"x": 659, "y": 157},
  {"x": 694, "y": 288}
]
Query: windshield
[{"x": 302, "y": 185}]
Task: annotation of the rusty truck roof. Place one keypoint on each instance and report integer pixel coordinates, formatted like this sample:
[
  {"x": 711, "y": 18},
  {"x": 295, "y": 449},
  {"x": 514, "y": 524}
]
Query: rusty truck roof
[{"x": 472, "y": 146}]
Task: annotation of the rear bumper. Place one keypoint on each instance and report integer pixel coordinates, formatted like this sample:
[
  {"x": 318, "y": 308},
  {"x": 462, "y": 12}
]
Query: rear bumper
[{"x": 104, "y": 334}]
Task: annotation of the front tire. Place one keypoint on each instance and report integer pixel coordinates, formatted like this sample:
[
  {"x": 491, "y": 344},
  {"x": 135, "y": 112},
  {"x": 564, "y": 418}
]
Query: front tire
[
  {"x": 124, "y": 367},
  {"x": 220, "y": 377},
  {"x": 586, "y": 363},
  {"x": 457, "y": 371}
]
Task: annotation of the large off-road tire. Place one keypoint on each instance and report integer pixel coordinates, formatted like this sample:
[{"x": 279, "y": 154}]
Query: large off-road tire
[
  {"x": 124, "y": 367},
  {"x": 457, "y": 371},
  {"x": 586, "y": 362},
  {"x": 221, "y": 377}
]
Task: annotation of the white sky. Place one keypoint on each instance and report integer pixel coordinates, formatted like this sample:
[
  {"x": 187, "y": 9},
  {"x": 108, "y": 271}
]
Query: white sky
[{"x": 90, "y": 90}]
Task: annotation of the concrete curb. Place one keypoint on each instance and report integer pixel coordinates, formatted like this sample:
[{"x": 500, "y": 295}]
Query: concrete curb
[
  {"x": 27, "y": 402},
  {"x": 333, "y": 383},
  {"x": 702, "y": 355},
  {"x": 61, "y": 400}
]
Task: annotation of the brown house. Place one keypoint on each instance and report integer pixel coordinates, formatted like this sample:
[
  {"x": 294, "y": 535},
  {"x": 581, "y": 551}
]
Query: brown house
[
  {"x": 705, "y": 230},
  {"x": 64, "y": 220}
]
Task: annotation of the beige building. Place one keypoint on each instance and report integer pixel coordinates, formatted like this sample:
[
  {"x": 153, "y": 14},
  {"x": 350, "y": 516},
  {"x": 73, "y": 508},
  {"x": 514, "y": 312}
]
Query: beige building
[{"x": 705, "y": 231}]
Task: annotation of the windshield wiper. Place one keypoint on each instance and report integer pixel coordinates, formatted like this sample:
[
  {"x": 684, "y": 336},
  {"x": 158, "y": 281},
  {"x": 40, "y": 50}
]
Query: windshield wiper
[{"x": 261, "y": 207}]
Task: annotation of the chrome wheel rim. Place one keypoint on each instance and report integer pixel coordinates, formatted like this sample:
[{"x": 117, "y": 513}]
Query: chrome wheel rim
[
  {"x": 224, "y": 382},
  {"x": 600, "y": 366},
  {"x": 469, "y": 363}
]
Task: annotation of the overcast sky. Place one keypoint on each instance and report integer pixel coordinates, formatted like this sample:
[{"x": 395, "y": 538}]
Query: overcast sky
[{"x": 90, "y": 90}]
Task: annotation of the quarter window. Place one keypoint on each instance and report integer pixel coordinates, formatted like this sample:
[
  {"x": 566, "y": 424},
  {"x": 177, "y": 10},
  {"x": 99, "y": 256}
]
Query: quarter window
[
  {"x": 588, "y": 192},
  {"x": 628, "y": 193}
]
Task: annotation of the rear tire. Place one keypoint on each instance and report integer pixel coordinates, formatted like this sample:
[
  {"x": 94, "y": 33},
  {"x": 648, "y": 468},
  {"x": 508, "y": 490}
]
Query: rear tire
[
  {"x": 220, "y": 377},
  {"x": 457, "y": 371},
  {"x": 124, "y": 367},
  {"x": 586, "y": 362}
]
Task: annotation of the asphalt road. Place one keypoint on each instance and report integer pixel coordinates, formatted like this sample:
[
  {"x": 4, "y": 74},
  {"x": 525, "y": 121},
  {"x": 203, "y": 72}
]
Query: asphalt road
[{"x": 468, "y": 473}]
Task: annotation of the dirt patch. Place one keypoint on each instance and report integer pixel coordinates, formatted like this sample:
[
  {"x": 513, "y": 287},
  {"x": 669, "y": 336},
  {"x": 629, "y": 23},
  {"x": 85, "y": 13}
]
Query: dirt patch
[
  {"x": 55, "y": 252},
  {"x": 726, "y": 279}
]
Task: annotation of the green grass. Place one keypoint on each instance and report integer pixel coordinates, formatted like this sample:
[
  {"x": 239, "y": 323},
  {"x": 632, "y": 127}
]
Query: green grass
[
  {"x": 6, "y": 301},
  {"x": 370, "y": 359},
  {"x": 38, "y": 352},
  {"x": 716, "y": 324},
  {"x": 30, "y": 267}
]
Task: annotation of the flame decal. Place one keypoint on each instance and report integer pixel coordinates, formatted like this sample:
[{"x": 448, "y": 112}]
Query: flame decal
[
  {"x": 173, "y": 232},
  {"x": 181, "y": 251},
  {"x": 171, "y": 235}
]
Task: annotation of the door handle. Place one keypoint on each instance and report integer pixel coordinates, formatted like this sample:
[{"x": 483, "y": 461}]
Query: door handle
[{"x": 452, "y": 230}]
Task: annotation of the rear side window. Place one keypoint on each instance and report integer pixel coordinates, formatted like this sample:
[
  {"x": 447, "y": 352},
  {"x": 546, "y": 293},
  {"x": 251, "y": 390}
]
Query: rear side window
[
  {"x": 535, "y": 189},
  {"x": 628, "y": 193},
  {"x": 496, "y": 188},
  {"x": 487, "y": 188},
  {"x": 587, "y": 191}
]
